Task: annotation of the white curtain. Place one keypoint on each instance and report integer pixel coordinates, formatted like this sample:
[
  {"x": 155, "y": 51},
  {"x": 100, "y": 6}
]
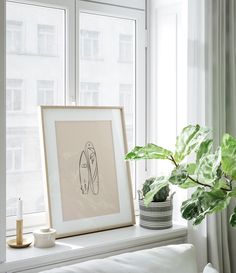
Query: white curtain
[{"x": 212, "y": 80}]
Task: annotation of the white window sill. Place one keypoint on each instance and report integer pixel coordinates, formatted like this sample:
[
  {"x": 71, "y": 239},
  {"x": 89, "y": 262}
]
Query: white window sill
[{"x": 96, "y": 245}]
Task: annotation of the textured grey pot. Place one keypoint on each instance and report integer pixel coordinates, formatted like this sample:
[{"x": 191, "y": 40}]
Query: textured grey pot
[{"x": 158, "y": 215}]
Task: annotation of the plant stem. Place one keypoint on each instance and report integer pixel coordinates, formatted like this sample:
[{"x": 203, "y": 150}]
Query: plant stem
[{"x": 196, "y": 181}]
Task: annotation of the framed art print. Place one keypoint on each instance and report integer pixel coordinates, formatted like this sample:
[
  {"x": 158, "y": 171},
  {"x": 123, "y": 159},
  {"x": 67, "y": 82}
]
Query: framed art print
[{"x": 88, "y": 181}]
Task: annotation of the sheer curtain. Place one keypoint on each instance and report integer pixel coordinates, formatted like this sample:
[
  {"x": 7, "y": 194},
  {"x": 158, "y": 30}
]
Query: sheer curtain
[{"x": 212, "y": 84}]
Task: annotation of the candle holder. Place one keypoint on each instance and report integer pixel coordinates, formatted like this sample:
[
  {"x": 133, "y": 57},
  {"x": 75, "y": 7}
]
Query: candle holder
[{"x": 19, "y": 241}]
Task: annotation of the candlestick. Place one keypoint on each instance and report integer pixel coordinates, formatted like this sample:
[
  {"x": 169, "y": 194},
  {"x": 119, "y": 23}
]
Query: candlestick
[
  {"x": 19, "y": 242},
  {"x": 19, "y": 232}
]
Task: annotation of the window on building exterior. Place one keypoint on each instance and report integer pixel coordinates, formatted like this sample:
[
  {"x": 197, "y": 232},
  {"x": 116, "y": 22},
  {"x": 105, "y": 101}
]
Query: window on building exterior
[
  {"x": 14, "y": 95},
  {"x": 89, "y": 93},
  {"x": 14, "y": 36},
  {"x": 47, "y": 40},
  {"x": 125, "y": 48},
  {"x": 89, "y": 44},
  {"x": 24, "y": 171},
  {"x": 126, "y": 97},
  {"x": 14, "y": 156},
  {"x": 45, "y": 92}
]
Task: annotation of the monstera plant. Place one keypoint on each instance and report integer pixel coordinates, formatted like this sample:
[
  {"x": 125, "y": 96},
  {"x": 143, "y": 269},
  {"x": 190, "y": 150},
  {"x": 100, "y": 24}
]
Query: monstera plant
[{"x": 211, "y": 174}]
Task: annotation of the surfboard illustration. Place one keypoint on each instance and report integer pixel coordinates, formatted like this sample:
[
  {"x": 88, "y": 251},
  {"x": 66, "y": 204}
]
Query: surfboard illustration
[
  {"x": 93, "y": 166},
  {"x": 84, "y": 173},
  {"x": 88, "y": 169}
]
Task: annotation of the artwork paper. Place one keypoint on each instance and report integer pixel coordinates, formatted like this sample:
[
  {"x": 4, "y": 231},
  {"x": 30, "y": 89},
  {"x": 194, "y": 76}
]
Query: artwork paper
[{"x": 87, "y": 171}]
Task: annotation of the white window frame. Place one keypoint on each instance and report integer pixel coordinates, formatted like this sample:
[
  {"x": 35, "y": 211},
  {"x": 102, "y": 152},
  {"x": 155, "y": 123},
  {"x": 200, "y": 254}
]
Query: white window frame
[
  {"x": 140, "y": 66},
  {"x": 2, "y": 132},
  {"x": 124, "y": 9},
  {"x": 39, "y": 219}
]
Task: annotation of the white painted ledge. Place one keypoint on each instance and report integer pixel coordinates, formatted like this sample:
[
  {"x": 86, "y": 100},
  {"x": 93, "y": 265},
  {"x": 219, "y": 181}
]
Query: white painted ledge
[{"x": 96, "y": 245}]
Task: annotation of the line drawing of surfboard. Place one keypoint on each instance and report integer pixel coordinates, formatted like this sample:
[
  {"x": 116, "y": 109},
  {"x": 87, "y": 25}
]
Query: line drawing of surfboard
[
  {"x": 88, "y": 169},
  {"x": 93, "y": 166},
  {"x": 84, "y": 173}
]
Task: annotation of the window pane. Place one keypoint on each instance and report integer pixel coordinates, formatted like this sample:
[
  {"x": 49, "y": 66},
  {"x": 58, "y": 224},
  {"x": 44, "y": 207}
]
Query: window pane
[
  {"x": 14, "y": 40},
  {"x": 106, "y": 68},
  {"x": 34, "y": 78}
]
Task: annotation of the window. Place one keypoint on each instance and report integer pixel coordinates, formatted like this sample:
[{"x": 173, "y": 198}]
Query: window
[
  {"x": 53, "y": 51},
  {"x": 14, "y": 36},
  {"x": 14, "y": 155},
  {"x": 125, "y": 48},
  {"x": 126, "y": 97},
  {"x": 110, "y": 91},
  {"x": 14, "y": 95},
  {"x": 46, "y": 40},
  {"x": 24, "y": 171},
  {"x": 115, "y": 35},
  {"x": 89, "y": 44},
  {"x": 89, "y": 93},
  {"x": 45, "y": 92}
]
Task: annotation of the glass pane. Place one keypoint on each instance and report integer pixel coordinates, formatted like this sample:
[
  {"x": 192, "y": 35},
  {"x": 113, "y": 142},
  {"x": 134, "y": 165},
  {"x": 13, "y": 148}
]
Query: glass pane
[
  {"x": 107, "y": 69},
  {"x": 33, "y": 78}
]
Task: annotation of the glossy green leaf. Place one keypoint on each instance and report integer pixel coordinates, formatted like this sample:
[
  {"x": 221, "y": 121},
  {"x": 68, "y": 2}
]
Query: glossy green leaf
[
  {"x": 232, "y": 193},
  {"x": 189, "y": 141},
  {"x": 207, "y": 168},
  {"x": 156, "y": 186},
  {"x": 204, "y": 149},
  {"x": 188, "y": 184},
  {"x": 204, "y": 202},
  {"x": 228, "y": 160},
  {"x": 150, "y": 151},
  {"x": 191, "y": 168},
  {"x": 179, "y": 175},
  {"x": 232, "y": 219},
  {"x": 221, "y": 184}
]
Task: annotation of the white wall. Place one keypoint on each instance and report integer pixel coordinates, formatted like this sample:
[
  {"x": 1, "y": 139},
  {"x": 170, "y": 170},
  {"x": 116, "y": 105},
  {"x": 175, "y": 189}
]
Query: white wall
[{"x": 2, "y": 132}]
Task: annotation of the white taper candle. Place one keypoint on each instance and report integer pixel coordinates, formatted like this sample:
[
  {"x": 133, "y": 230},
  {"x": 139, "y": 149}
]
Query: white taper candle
[{"x": 19, "y": 213}]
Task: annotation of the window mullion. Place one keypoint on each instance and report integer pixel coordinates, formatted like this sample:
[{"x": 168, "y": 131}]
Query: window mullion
[{"x": 2, "y": 136}]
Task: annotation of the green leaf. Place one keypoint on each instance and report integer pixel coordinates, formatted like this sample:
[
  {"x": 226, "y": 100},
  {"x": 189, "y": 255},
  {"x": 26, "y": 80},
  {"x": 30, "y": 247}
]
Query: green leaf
[
  {"x": 204, "y": 202},
  {"x": 207, "y": 168},
  {"x": 232, "y": 219},
  {"x": 150, "y": 151},
  {"x": 188, "y": 184},
  {"x": 190, "y": 208},
  {"x": 156, "y": 186},
  {"x": 228, "y": 160},
  {"x": 179, "y": 175},
  {"x": 220, "y": 184},
  {"x": 189, "y": 141},
  {"x": 232, "y": 193},
  {"x": 204, "y": 148},
  {"x": 191, "y": 168}
]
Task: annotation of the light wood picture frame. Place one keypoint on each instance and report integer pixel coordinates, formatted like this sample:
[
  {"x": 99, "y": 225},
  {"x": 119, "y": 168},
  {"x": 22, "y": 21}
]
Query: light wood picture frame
[{"x": 88, "y": 182}]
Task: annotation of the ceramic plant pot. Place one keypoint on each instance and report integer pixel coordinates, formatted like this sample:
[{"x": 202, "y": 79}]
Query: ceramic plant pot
[{"x": 158, "y": 215}]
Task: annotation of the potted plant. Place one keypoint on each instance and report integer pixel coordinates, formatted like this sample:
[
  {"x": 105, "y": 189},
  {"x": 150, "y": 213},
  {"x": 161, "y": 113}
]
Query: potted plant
[
  {"x": 158, "y": 215},
  {"x": 212, "y": 172}
]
